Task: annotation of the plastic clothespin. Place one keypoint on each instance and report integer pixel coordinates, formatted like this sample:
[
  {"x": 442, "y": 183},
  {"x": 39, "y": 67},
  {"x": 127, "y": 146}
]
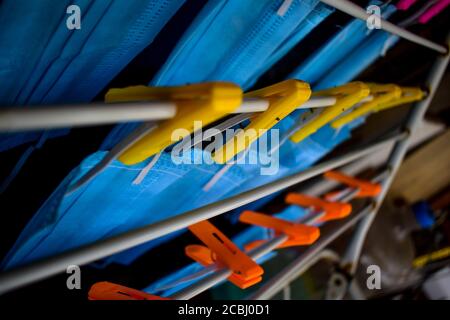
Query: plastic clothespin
[
  {"x": 382, "y": 93},
  {"x": 366, "y": 188},
  {"x": 405, "y": 4},
  {"x": 284, "y": 97},
  {"x": 222, "y": 250},
  {"x": 433, "y": 11},
  {"x": 409, "y": 94},
  {"x": 347, "y": 96},
  {"x": 205, "y": 102},
  {"x": 298, "y": 234},
  {"x": 111, "y": 291},
  {"x": 333, "y": 210}
]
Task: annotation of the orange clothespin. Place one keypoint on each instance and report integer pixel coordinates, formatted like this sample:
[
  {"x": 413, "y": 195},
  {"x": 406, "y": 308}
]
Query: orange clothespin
[
  {"x": 366, "y": 188},
  {"x": 298, "y": 234},
  {"x": 333, "y": 210},
  {"x": 223, "y": 251},
  {"x": 111, "y": 291}
]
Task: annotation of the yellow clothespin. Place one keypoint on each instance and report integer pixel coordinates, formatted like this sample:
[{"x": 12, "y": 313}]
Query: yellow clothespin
[
  {"x": 284, "y": 97},
  {"x": 347, "y": 96},
  {"x": 382, "y": 93},
  {"x": 409, "y": 94},
  {"x": 205, "y": 102}
]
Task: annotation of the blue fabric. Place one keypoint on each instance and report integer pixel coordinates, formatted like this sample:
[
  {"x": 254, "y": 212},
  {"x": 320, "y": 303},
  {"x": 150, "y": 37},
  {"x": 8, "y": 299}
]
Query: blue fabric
[
  {"x": 357, "y": 61},
  {"x": 297, "y": 157},
  {"x": 233, "y": 41},
  {"x": 239, "y": 37},
  {"x": 291, "y": 213},
  {"x": 336, "y": 50},
  {"x": 293, "y": 158},
  {"x": 43, "y": 62},
  {"x": 27, "y": 28},
  {"x": 239, "y": 52},
  {"x": 22, "y": 160},
  {"x": 313, "y": 19},
  {"x": 111, "y": 204}
]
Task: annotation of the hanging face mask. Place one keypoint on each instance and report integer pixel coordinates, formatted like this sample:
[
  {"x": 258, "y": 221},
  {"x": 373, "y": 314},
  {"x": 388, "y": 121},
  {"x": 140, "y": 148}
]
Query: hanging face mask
[
  {"x": 337, "y": 49},
  {"x": 117, "y": 200},
  {"x": 357, "y": 61},
  {"x": 241, "y": 39},
  {"x": 71, "y": 65},
  {"x": 58, "y": 65},
  {"x": 312, "y": 20},
  {"x": 294, "y": 157},
  {"x": 185, "y": 194},
  {"x": 124, "y": 30},
  {"x": 83, "y": 61},
  {"x": 27, "y": 27}
]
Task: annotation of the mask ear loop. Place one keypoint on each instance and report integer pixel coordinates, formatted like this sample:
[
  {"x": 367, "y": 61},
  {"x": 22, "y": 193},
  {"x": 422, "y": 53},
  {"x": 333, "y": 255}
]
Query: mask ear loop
[
  {"x": 218, "y": 175},
  {"x": 303, "y": 119},
  {"x": 141, "y": 176},
  {"x": 112, "y": 155}
]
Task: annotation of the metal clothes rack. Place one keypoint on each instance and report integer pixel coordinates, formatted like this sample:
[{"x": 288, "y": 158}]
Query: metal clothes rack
[{"x": 26, "y": 119}]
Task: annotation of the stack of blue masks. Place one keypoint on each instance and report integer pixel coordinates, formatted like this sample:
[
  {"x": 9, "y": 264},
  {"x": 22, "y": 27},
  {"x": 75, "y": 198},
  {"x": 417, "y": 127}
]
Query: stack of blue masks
[
  {"x": 43, "y": 62},
  {"x": 111, "y": 204}
]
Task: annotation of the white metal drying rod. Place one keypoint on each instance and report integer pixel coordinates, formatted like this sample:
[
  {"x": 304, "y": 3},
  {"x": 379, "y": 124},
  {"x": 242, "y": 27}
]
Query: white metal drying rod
[{"x": 61, "y": 116}]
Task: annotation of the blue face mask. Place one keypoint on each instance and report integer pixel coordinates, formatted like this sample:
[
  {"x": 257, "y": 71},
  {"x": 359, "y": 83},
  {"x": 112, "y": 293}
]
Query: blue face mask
[
  {"x": 58, "y": 65},
  {"x": 234, "y": 41},
  {"x": 27, "y": 28},
  {"x": 125, "y": 29},
  {"x": 69, "y": 221},
  {"x": 23, "y": 39},
  {"x": 336, "y": 50},
  {"x": 65, "y": 47},
  {"x": 312, "y": 20},
  {"x": 240, "y": 38},
  {"x": 163, "y": 191},
  {"x": 293, "y": 157},
  {"x": 78, "y": 64},
  {"x": 367, "y": 52}
]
